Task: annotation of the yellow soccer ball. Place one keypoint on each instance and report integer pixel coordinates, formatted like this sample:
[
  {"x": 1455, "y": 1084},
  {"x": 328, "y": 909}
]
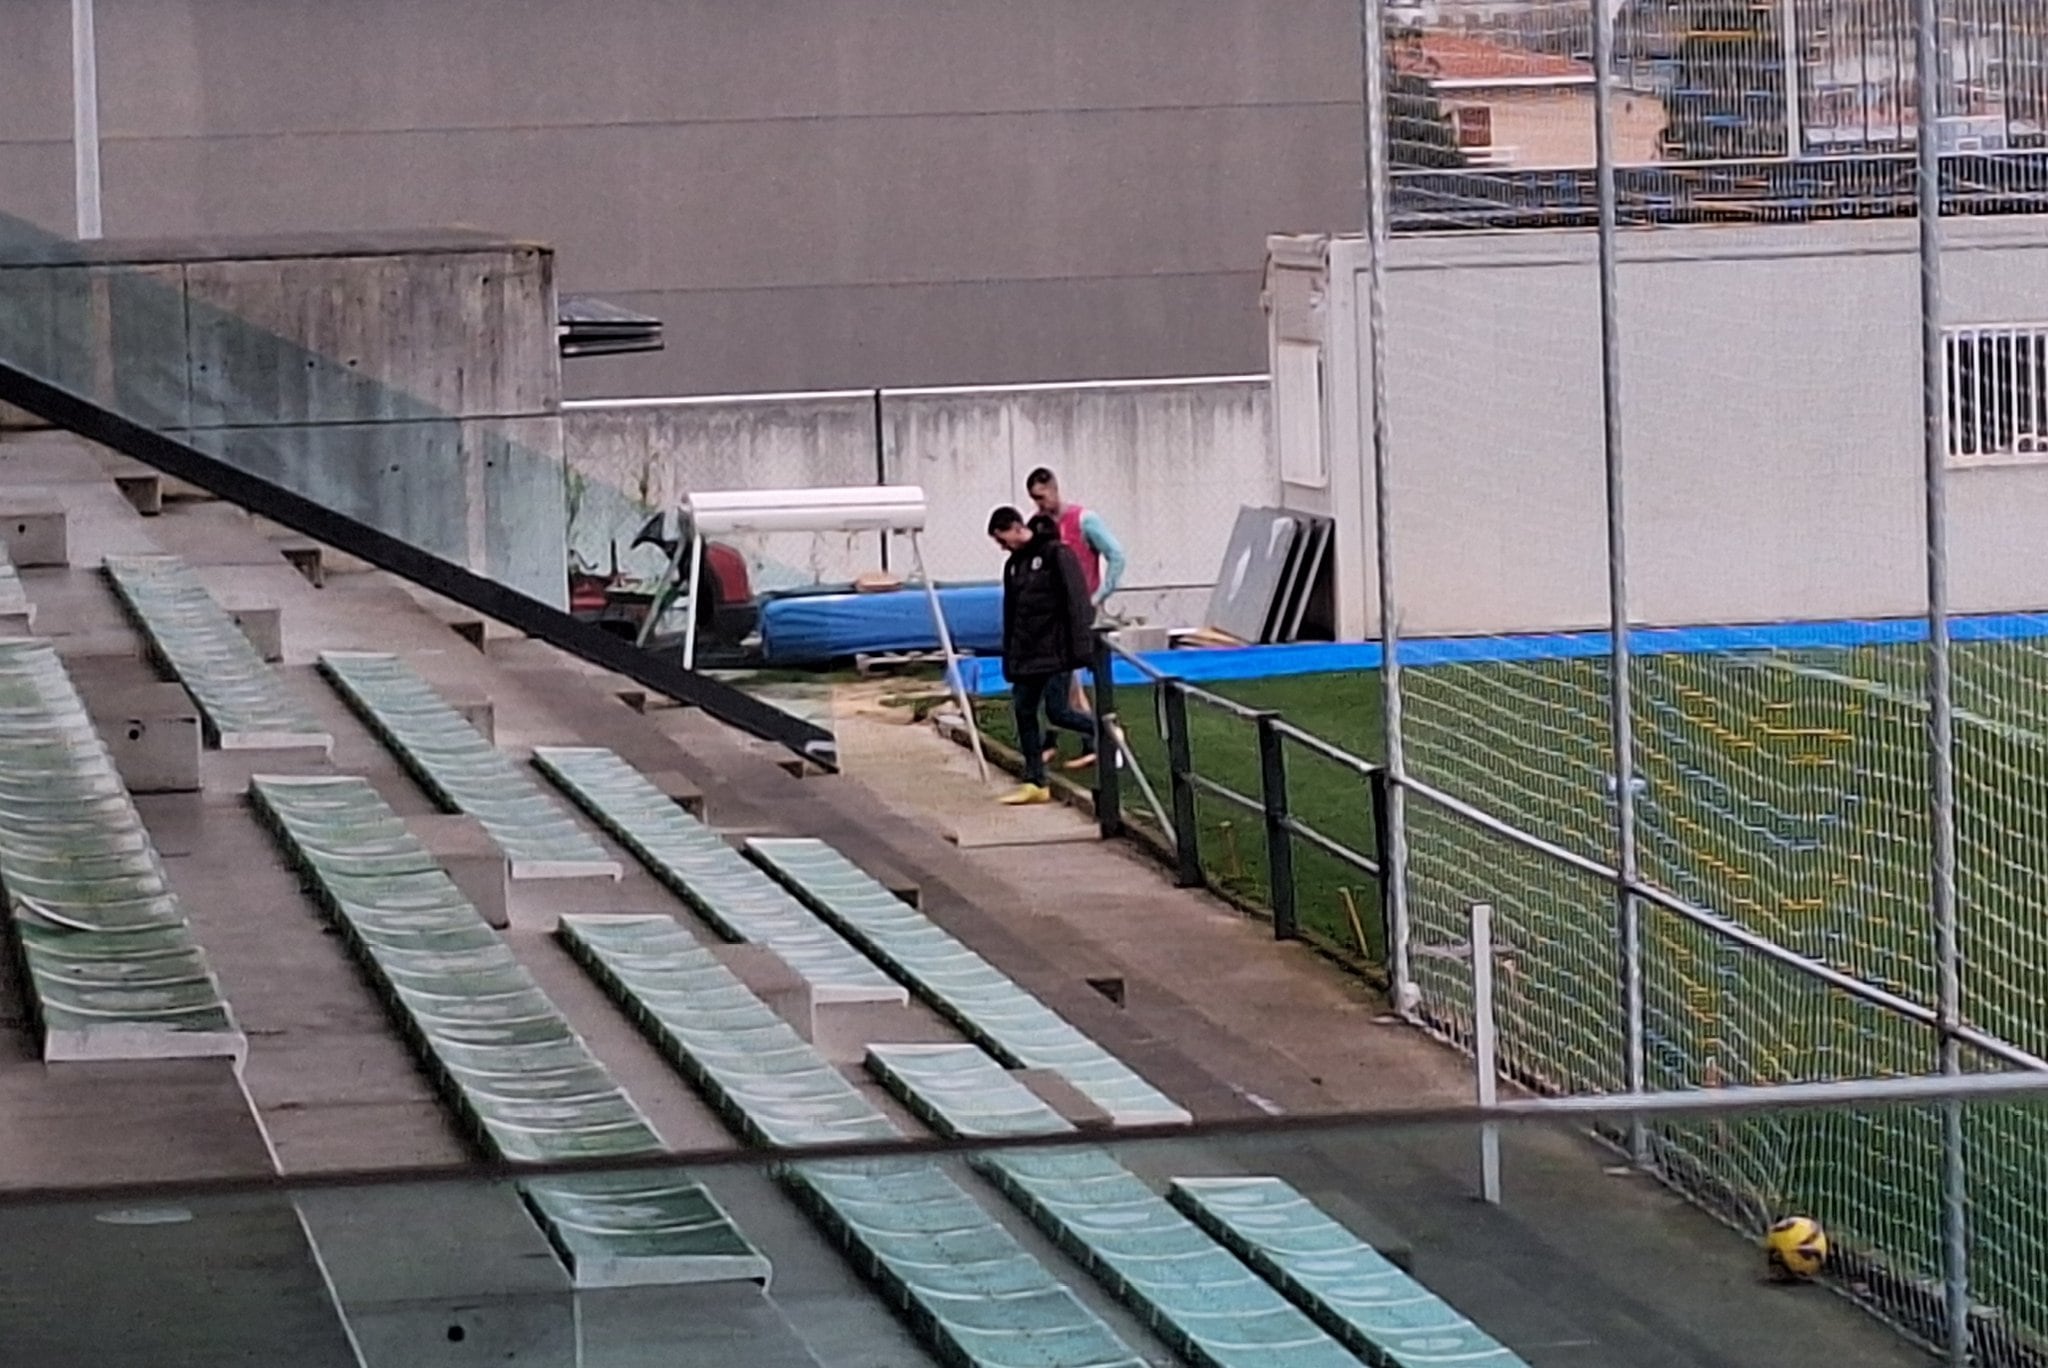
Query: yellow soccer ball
[{"x": 1797, "y": 1248}]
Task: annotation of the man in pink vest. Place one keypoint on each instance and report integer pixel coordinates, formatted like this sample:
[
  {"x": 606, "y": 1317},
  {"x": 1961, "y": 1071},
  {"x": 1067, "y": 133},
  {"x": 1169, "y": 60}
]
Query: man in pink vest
[{"x": 1100, "y": 554}]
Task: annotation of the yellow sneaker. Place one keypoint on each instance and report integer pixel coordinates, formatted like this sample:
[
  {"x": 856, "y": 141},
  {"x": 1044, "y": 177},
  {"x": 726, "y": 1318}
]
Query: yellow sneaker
[{"x": 1026, "y": 795}]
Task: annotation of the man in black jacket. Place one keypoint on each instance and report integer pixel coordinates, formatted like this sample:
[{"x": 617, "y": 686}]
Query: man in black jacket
[{"x": 1047, "y": 635}]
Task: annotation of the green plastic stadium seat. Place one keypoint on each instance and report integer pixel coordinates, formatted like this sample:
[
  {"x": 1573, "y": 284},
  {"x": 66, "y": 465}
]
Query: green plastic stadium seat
[
  {"x": 462, "y": 771},
  {"x": 972, "y": 1291},
  {"x": 111, "y": 968},
  {"x": 727, "y": 889},
  {"x": 241, "y": 699},
  {"x": 506, "y": 1059},
  {"x": 1199, "y": 1297},
  {"x": 1382, "y": 1313},
  {"x": 989, "y": 1008}
]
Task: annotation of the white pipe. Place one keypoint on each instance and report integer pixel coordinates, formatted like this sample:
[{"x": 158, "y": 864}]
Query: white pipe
[
  {"x": 1484, "y": 1050},
  {"x": 954, "y": 683},
  {"x": 85, "y": 120},
  {"x": 671, "y": 529}
]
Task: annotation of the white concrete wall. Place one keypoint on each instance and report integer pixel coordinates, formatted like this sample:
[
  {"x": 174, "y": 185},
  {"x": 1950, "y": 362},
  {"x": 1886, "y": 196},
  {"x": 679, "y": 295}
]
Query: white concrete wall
[
  {"x": 1771, "y": 401},
  {"x": 1167, "y": 463}
]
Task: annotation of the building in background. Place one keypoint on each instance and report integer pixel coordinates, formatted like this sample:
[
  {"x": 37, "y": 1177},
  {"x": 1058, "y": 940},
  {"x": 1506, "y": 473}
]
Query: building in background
[
  {"x": 809, "y": 194},
  {"x": 1514, "y": 107}
]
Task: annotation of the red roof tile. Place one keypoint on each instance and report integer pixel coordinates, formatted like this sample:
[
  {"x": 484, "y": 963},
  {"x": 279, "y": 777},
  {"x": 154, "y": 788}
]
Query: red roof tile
[{"x": 1455, "y": 57}]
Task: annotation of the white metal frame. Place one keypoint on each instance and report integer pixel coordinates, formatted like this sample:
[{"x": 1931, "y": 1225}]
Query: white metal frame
[
  {"x": 863, "y": 508},
  {"x": 2027, "y": 344}
]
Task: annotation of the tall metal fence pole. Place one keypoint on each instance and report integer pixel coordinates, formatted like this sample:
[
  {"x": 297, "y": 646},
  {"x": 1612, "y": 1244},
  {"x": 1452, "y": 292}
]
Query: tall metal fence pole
[
  {"x": 1279, "y": 840},
  {"x": 1180, "y": 775},
  {"x": 1394, "y": 854},
  {"x": 1621, "y": 693},
  {"x": 1955, "y": 1235},
  {"x": 1109, "y": 803}
]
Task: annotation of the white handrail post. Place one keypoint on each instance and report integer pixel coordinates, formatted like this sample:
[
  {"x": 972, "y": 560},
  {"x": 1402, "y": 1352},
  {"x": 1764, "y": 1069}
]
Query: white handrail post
[
  {"x": 955, "y": 683},
  {"x": 1484, "y": 1049}
]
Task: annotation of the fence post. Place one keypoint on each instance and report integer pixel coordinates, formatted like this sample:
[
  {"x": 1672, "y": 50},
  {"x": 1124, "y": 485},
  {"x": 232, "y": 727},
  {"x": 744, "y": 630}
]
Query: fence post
[
  {"x": 1109, "y": 809},
  {"x": 1485, "y": 1050},
  {"x": 881, "y": 462},
  {"x": 1376, "y": 785},
  {"x": 1279, "y": 841},
  {"x": 1180, "y": 765}
]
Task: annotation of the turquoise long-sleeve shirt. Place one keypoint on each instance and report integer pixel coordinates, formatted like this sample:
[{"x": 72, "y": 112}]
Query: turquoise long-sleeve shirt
[{"x": 1104, "y": 543}]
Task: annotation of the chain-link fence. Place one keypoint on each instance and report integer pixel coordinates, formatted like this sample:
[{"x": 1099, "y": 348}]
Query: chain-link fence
[{"x": 1702, "y": 467}]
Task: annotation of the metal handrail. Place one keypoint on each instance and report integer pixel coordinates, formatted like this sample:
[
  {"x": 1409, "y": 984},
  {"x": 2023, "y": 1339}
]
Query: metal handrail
[
  {"x": 1334, "y": 848},
  {"x": 1282, "y": 828},
  {"x": 1328, "y": 751},
  {"x": 1194, "y": 691},
  {"x": 1228, "y": 794}
]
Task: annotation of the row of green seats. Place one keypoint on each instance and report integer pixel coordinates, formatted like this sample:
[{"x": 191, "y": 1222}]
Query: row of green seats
[
  {"x": 111, "y": 966},
  {"x": 460, "y": 768},
  {"x": 501, "y": 1052},
  {"x": 724, "y": 887},
  {"x": 240, "y": 698},
  {"x": 984, "y": 1002},
  {"x": 1195, "y": 1294},
  {"x": 976, "y": 1296}
]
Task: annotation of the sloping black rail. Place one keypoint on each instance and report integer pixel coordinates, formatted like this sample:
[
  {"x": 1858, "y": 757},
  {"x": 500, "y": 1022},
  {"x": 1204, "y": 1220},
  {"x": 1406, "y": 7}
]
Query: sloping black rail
[{"x": 543, "y": 622}]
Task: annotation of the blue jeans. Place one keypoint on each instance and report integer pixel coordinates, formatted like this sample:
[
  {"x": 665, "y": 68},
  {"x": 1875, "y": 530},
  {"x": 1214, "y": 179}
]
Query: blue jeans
[{"x": 1054, "y": 695}]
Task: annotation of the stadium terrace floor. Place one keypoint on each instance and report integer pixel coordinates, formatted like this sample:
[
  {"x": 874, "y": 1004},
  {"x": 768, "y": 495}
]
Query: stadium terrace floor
[{"x": 1579, "y": 1266}]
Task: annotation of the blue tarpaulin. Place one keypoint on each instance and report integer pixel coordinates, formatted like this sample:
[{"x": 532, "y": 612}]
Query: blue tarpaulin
[
  {"x": 985, "y": 677},
  {"x": 811, "y": 629}
]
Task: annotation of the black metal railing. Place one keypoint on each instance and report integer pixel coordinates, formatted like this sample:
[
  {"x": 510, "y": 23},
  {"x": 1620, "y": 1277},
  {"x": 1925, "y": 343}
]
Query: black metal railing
[
  {"x": 1763, "y": 190},
  {"x": 1178, "y": 817}
]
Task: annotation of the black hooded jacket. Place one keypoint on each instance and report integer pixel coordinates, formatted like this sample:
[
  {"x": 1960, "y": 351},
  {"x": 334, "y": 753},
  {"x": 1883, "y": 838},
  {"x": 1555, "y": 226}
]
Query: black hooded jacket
[{"x": 1048, "y": 621}]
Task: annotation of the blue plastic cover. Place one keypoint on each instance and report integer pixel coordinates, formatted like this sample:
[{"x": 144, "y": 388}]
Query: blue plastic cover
[
  {"x": 985, "y": 677},
  {"x": 815, "y": 628}
]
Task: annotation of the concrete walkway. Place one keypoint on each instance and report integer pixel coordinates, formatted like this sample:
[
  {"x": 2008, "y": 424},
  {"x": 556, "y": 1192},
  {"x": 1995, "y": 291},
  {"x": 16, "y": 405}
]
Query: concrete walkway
[{"x": 1583, "y": 1263}]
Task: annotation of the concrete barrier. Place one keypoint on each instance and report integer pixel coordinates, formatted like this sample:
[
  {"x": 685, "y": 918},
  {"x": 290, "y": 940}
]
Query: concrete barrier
[{"x": 1166, "y": 462}]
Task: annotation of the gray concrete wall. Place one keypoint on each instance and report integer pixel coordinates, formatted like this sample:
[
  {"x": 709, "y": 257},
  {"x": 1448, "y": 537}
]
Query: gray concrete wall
[
  {"x": 1771, "y": 383},
  {"x": 408, "y": 381},
  {"x": 811, "y": 193},
  {"x": 1167, "y": 463}
]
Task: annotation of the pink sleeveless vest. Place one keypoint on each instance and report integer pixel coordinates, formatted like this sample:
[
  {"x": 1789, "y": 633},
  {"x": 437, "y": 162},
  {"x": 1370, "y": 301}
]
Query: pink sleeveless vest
[{"x": 1070, "y": 533}]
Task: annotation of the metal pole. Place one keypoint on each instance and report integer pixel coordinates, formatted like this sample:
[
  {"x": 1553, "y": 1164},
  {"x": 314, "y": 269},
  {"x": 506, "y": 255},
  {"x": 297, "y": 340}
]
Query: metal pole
[
  {"x": 696, "y": 603},
  {"x": 1394, "y": 855},
  {"x": 85, "y": 120},
  {"x": 1109, "y": 797},
  {"x": 1795, "y": 117},
  {"x": 954, "y": 681},
  {"x": 1180, "y": 767},
  {"x": 1621, "y": 693},
  {"x": 1279, "y": 840},
  {"x": 882, "y": 470},
  {"x": 1955, "y": 1235},
  {"x": 657, "y": 602},
  {"x": 1484, "y": 1048}
]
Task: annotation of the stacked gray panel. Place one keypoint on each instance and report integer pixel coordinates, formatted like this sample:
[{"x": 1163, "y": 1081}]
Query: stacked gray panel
[
  {"x": 503, "y": 1055},
  {"x": 110, "y": 964},
  {"x": 1195, "y": 1294},
  {"x": 461, "y": 770},
  {"x": 983, "y": 1001},
  {"x": 244, "y": 703},
  {"x": 971, "y": 1291},
  {"x": 739, "y": 901}
]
